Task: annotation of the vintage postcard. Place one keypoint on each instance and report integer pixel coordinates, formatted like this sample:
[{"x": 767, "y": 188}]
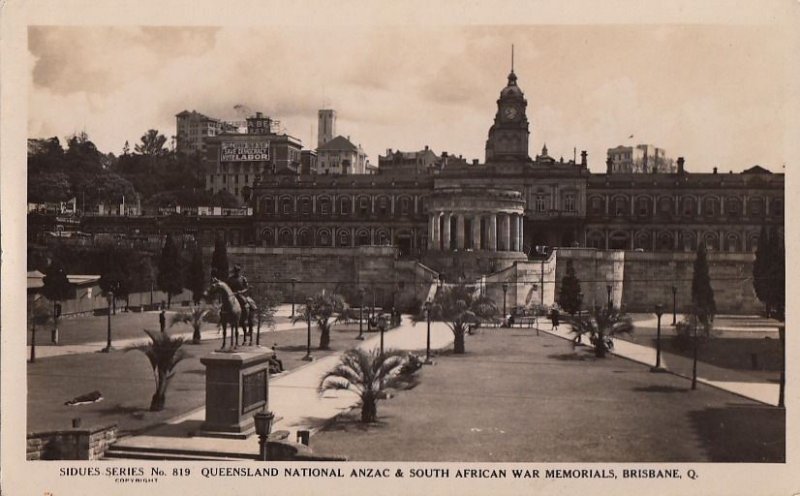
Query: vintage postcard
[{"x": 340, "y": 247}]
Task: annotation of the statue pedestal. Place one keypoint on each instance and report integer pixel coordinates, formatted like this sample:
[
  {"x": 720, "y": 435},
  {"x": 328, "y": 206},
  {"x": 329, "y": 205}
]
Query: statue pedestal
[{"x": 237, "y": 387}]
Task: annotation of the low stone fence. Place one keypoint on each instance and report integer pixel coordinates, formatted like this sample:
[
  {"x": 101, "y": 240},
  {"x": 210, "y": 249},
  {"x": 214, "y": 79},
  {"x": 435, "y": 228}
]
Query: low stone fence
[{"x": 71, "y": 444}]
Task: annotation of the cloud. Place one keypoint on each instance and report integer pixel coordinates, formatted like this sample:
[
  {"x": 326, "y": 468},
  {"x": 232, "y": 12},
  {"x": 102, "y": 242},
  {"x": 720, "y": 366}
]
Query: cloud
[{"x": 699, "y": 91}]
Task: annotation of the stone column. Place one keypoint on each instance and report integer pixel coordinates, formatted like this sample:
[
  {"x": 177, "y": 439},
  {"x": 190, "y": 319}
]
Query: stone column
[
  {"x": 460, "y": 231},
  {"x": 505, "y": 232},
  {"x": 437, "y": 231},
  {"x": 476, "y": 232},
  {"x": 446, "y": 231},
  {"x": 431, "y": 231},
  {"x": 521, "y": 237},
  {"x": 514, "y": 232},
  {"x": 492, "y": 232}
]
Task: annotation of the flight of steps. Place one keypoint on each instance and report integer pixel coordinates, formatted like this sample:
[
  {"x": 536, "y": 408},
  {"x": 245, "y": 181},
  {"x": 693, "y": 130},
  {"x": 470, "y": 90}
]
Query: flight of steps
[{"x": 116, "y": 452}]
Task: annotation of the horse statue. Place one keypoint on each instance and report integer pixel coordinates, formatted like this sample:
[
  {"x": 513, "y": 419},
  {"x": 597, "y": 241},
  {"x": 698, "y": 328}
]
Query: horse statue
[{"x": 234, "y": 313}]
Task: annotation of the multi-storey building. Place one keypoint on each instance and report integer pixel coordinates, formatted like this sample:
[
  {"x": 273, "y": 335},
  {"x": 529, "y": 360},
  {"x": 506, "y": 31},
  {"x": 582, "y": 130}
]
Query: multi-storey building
[
  {"x": 233, "y": 161},
  {"x": 413, "y": 162},
  {"x": 193, "y": 128},
  {"x": 341, "y": 156},
  {"x": 640, "y": 159}
]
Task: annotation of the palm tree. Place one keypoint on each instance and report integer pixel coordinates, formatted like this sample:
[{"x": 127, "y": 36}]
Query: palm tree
[
  {"x": 324, "y": 309},
  {"x": 164, "y": 353},
  {"x": 194, "y": 317},
  {"x": 368, "y": 374},
  {"x": 460, "y": 307},
  {"x": 600, "y": 324}
]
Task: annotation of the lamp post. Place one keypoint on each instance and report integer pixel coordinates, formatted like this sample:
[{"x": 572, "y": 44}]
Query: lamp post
[
  {"x": 293, "y": 281},
  {"x": 428, "y": 343},
  {"x": 33, "y": 338},
  {"x": 659, "y": 312},
  {"x": 382, "y": 328},
  {"x": 263, "y": 421},
  {"x": 694, "y": 360},
  {"x": 674, "y": 297},
  {"x": 505, "y": 290},
  {"x": 608, "y": 290},
  {"x": 308, "y": 356},
  {"x": 782, "y": 384},
  {"x": 361, "y": 315},
  {"x": 108, "y": 335}
]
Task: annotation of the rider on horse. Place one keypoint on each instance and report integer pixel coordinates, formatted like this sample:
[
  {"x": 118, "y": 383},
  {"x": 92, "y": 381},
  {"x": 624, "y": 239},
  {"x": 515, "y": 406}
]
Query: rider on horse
[{"x": 239, "y": 286}]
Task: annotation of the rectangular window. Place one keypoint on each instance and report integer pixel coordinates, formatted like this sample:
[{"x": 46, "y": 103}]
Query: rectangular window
[
  {"x": 540, "y": 203},
  {"x": 569, "y": 202}
]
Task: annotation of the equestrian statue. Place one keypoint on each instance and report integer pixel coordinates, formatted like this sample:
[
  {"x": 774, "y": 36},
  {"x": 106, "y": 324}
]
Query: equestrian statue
[{"x": 238, "y": 308}]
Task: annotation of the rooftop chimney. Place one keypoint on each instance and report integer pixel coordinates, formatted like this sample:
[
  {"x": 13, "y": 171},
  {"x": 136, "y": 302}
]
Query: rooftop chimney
[
  {"x": 715, "y": 170},
  {"x": 583, "y": 158},
  {"x": 680, "y": 166}
]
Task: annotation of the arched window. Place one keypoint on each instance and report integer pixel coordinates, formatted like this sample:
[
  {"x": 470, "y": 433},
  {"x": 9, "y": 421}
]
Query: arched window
[
  {"x": 286, "y": 205},
  {"x": 620, "y": 206},
  {"x": 643, "y": 206},
  {"x": 689, "y": 207},
  {"x": 345, "y": 205},
  {"x": 755, "y": 206},
  {"x": 405, "y": 205},
  {"x": 710, "y": 207},
  {"x": 665, "y": 241},
  {"x": 324, "y": 237},
  {"x": 268, "y": 237},
  {"x": 383, "y": 205},
  {"x": 596, "y": 205},
  {"x": 733, "y": 207},
  {"x": 304, "y": 237},
  {"x": 344, "y": 237},
  {"x": 285, "y": 237},
  {"x": 363, "y": 205},
  {"x": 362, "y": 238},
  {"x": 665, "y": 206},
  {"x": 324, "y": 205},
  {"x": 305, "y": 205}
]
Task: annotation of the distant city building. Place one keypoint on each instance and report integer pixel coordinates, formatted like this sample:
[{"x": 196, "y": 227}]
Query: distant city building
[
  {"x": 192, "y": 129},
  {"x": 639, "y": 159},
  {"x": 235, "y": 160},
  {"x": 308, "y": 162},
  {"x": 341, "y": 156},
  {"x": 412, "y": 162},
  {"x": 326, "y": 126}
]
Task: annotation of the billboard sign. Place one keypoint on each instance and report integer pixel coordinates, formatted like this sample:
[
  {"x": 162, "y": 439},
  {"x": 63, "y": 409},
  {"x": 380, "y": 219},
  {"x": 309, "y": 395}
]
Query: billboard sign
[{"x": 251, "y": 151}]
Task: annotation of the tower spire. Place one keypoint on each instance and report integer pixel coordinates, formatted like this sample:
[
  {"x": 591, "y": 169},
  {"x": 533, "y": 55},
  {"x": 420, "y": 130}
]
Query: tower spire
[{"x": 512, "y": 57}]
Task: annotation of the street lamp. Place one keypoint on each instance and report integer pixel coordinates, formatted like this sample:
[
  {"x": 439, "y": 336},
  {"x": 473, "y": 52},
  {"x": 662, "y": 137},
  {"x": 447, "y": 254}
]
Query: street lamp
[
  {"x": 694, "y": 359},
  {"x": 428, "y": 343},
  {"x": 505, "y": 290},
  {"x": 782, "y": 384},
  {"x": 108, "y": 338},
  {"x": 308, "y": 357},
  {"x": 382, "y": 328},
  {"x": 659, "y": 312},
  {"x": 674, "y": 296},
  {"x": 361, "y": 315},
  {"x": 263, "y": 421},
  {"x": 608, "y": 290},
  {"x": 293, "y": 281}
]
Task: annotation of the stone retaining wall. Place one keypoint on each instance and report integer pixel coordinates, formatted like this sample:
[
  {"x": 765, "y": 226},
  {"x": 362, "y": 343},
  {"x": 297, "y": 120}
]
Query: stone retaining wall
[{"x": 71, "y": 444}]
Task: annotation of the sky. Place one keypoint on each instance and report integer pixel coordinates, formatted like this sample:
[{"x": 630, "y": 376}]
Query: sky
[{"x": 714, "y": 94}]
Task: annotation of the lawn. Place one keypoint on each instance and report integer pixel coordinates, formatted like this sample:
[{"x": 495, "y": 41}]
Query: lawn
[
  {"x": 126, "y": 381},
  {"x": 516, "y": 397}
]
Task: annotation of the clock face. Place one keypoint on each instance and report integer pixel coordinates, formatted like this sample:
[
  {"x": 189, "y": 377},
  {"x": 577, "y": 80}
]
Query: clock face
[{"x": 510, "y": 112}]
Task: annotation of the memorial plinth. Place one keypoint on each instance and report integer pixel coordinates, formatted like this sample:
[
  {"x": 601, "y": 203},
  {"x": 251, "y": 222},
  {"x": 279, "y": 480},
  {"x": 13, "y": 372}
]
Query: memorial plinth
[{"x": 236, "y": 389}]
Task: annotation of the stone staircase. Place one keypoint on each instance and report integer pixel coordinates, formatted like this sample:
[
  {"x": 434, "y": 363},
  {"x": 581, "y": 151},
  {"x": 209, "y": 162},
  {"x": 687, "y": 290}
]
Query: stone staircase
[{"x": 116, "y": 452}]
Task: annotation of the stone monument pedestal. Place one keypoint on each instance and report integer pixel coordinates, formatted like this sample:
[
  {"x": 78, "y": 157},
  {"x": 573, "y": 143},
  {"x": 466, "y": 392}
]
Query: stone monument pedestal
[{"x": 237, "y": 387}]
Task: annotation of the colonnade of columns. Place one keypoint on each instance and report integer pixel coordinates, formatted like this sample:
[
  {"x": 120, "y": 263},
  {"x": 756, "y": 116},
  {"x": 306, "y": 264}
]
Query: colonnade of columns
[{"x": 475, "y": 231}]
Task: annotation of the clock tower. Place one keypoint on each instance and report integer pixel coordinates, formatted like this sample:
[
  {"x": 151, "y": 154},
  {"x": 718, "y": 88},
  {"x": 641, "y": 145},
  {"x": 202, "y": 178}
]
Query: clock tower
[{"x": 508, "y": 136}]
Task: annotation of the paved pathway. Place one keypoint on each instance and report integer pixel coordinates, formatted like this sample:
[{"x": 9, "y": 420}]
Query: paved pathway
[
  {"x": 292, "y": 396},
  {"x": 764, "y": 392}
]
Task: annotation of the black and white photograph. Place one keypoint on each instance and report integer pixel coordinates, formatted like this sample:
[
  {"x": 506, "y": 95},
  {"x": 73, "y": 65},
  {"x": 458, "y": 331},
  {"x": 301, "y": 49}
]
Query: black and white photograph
[{"x": 338, "y": 247}]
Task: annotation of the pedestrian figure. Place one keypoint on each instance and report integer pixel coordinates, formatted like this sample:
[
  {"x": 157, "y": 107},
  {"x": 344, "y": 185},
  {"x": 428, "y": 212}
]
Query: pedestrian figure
[
  {"x": 162, "y": 319},
  {"x": 554, "y": 319},
  {"x": 276, "y": 364}
]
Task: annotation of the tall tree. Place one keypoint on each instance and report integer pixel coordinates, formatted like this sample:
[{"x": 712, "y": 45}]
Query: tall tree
[
  {"x": 703, "y": 303},
  {"x": 152, "y": 144},
  {"x": 219, "y": 260},
  {"x": 323, "y": 308},
  {"x": 459, "y": 307},
  {"x": 170, "y": 278},
  {"x": 57, "y": 288},
  {"x": 760, "y": 267},
  {"x": 776, "y": 275},
  {"x": 196, "y": 277},
  {"x": 569, "y": 296},
  {"x": 115, "y": 276}
]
